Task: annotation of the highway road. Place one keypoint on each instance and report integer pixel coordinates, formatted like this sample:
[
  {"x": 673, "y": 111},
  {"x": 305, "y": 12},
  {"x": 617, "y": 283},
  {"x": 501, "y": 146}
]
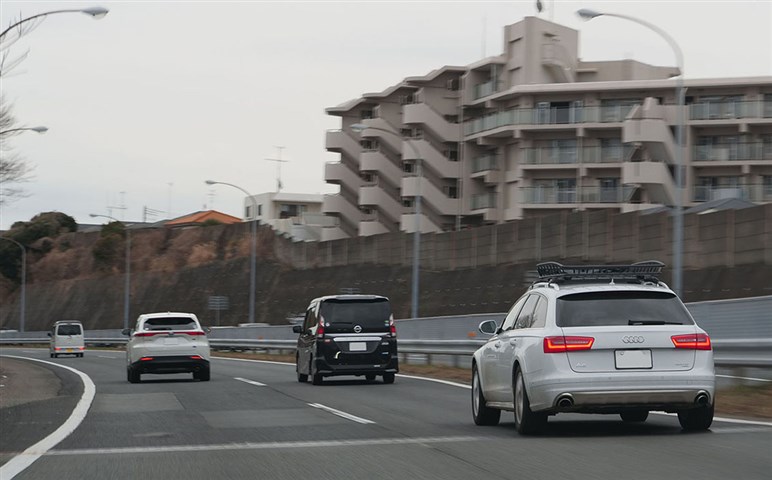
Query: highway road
[{"x": 254, "y": 420}]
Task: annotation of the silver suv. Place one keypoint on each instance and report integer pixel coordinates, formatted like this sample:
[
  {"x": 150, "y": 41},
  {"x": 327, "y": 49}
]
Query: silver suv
[
  {"x": 167, "y": 342},
  {"x": 595, "y": 339}
]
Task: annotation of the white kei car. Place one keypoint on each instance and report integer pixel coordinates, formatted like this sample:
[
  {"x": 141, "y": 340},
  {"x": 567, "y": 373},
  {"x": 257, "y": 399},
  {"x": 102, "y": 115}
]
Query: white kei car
[
  {"x": 595, "y": 339},
  {"x": 169, "y": 342}
]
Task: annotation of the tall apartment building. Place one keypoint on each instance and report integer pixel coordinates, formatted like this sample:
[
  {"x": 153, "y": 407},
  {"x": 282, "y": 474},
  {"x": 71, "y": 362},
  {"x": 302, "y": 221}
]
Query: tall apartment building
[{"x": 535, "y": 131}]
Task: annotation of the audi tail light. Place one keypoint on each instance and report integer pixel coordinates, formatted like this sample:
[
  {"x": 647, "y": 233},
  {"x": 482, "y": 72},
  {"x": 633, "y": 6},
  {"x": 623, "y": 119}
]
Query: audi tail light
[
  {"x": 562, "y": 343},
  {"x": 692, "y": 341}
]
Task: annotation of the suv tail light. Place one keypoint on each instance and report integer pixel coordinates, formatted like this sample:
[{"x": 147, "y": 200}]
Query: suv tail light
[
  {"x": 150, "y": 334},
  {"x": 392, "y": 327},
  {"x": 692, "y": 341},
  {"x": 562, "y": 343},
  {"x": 193, "y": 333}
]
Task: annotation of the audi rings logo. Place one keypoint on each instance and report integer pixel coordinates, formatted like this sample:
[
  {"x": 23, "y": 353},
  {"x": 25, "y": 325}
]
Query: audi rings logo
[
  {"x": 633, "y": 339},
  {"x": 358, "y": 328}
]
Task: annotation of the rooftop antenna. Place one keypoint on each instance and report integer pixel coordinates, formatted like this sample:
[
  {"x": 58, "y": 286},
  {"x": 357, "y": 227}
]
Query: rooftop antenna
[
  {"x": 278, "y": 161},
  {"x": 121, "y": 207}
]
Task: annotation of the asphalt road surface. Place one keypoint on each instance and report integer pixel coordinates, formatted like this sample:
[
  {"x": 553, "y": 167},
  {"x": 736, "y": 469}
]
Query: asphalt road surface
[{"x": 254, "y": 420}]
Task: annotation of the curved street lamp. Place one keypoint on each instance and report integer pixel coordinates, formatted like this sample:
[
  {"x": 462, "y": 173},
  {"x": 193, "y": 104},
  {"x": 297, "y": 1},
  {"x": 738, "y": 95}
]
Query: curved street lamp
[
  {"x": 95, "y": 12},
  {"x": 22, "y": 129},
  {"x": 253, "y": 259},
  {"x": 127, "y": 280},
  {"x": 588, "y": 14},
  {"x": 360, "y": 127},
  {"x": 23, "y": 299}
]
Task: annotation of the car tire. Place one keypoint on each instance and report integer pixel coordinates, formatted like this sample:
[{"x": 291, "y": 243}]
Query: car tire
[
  {"x": 695, "y": 419},
  {"x": 634, "y": 416},
  {"x": 317, "y": 379},
  {"x": 302, "y": 377},
  {"x": 204, "y": 375},
  {"x": 132, "y": 375},
  {"x": 527, "y": 422},
  {"x": 388, "y": 378},
  {"x": 52, "y": 355},
  {"x": 482, "y": 414},
  {"x": 370, "y": 377}
]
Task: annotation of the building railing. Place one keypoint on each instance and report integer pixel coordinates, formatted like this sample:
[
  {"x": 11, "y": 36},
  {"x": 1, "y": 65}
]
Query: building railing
[
  {"x": 483, "y": 200},
  {"x": 752, "y": 192},
  {"x": 484, "y": 163},
  {"x": 730, "y": 110},
  {"x": 732, "y": 151},
  {"x": 548, "y": 116},
  {"x": 546, "y": 194},
  {"x": 484, "y": 89}
]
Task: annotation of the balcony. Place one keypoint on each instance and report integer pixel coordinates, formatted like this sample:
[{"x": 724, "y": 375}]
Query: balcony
[
  {"x": 758, "y": 193},
  {"x": 342, "y": 142},
  {"x": 336, "y": 204},
  {"x": 340, "y": 174},
  {"x": 541, "y": 195},
  {"x": 551, "y": 156},
  {"x": 647, "y": 125},
  {"x": 485, "y": 163},
  {"x": 483, "y": 200},
  {"x": 382, "y": 162},
  {"x": 730, "y": 110},
  {"x": 430, "y": 194},
  {"x": 377, "y": 196},
  {"x": 732, "y": 152},
  {"x": 654, "y": 177},
  {"x": 484, "y": 89},
  {"x": 547, "y": 116}
]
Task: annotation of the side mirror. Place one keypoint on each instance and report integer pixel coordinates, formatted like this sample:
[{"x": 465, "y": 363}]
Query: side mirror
[
  {"x": 208, "y": 330},
  {"x": 488, "y": 327},
  {"x": 297, "y": 329},
  {"x": 49, "y": 334},
  {"x": 126, "y": 331}
]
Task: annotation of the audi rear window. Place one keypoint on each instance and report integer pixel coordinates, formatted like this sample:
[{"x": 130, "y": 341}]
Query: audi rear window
[
  {"x": 171, "y": 323},
  {"x": 621, "y": 308},
  {"x": 367, "y": 313},
  {"x": 68, "y": 330}
]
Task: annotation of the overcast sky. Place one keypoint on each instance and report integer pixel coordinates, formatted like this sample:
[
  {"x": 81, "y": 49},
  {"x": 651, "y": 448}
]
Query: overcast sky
[{"x": 159, "y": 96}]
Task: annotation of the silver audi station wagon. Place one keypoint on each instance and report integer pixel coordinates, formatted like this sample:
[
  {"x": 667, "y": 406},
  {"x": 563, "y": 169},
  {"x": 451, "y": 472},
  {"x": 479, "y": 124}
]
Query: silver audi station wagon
[{"x": 607, "y": 339}]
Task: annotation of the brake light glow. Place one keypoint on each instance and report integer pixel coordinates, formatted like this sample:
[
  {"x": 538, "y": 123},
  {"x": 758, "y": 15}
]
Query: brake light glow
[
  {"x": 692, "y": 341},
  {"x": 145, "y": 359},
  {"x": 563, "y": 343},
  {"x": 196, "y": 357}
]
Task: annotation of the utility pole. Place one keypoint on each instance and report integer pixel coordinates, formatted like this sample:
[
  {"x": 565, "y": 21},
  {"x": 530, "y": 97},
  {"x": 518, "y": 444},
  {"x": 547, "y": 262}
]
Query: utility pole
[{"x": 278, "y": 161}]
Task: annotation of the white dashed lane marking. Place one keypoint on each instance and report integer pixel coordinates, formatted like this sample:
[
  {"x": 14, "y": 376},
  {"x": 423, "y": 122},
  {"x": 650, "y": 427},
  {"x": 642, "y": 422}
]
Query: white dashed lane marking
[
  {"x": 251, "y": 382},
  {"x": 341, "y": 414}
]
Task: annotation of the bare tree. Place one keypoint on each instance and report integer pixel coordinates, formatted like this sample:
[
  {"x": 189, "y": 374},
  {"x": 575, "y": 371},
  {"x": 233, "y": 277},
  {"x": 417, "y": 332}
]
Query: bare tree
[{"x": 13, "y": 168}]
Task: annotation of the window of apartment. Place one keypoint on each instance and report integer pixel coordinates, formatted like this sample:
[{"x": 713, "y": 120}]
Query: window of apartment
[
  {"x": 259, "y": 210},
  {"x": 248, "y": 211},
  {"x": 369, "y": 144},
  {"x": 408, "y": 167},
  {"x": 611, "y": 150},
  {"x": 407, "y": 99},
  {"x": 766, "y": 147},
  {"x": 451, "y": 118},
  {"x": 766, "y": 182},
  {"x": 714, "y": 188},
  {"x": 453, "y": 84},
  {"x": 407, "y": 202},
  {"x": 287, "y": 210},
  {"x": 767, "y": 105},
  {"x": 609, "y": 190},
  {"x": 412, "y": 133},
  {"x": 366, "y": 114},
  {"x": 721, "y": 106},
  {"x": 452, "y": 154},
  {"x": 616, "y": 109},
  {"x": 563, "y": 150},
  {"x": 451, "y": 191}
]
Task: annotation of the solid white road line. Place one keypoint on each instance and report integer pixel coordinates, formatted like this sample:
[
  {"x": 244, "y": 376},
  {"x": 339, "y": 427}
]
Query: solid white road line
[
  {"x": 251, "y": 382},
  {"x": 727, "y": 420},
  {"x": 26, "y": 458},
  {"x": 264, "y": 446},
  {"x": 746, "y": 378},
  {"x": 341, "y": 414}
]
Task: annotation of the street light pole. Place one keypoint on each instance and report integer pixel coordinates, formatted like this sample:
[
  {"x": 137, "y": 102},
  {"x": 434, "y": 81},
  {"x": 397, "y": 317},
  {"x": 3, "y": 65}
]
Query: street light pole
[
  {"x": 95, "y": 12},
  {"x": 23, "y": 307},
  {"x": 678, "y": 228},
  {"x": 127, "y": 276},
  {"x": 359, "y": 127},
  {"x": 253, "y": 259}
]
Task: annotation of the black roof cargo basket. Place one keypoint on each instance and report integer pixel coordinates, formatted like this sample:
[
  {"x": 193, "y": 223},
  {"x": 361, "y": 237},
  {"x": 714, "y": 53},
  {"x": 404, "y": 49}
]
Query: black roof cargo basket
[{"x": 641, "y": 272}]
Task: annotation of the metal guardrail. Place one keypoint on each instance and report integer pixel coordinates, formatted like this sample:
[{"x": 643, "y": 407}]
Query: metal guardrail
[{"x": 731, "y": 353}]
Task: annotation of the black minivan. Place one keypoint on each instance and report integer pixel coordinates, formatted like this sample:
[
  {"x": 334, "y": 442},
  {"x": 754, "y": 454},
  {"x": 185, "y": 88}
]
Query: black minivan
[{"x": 347, "y": 335}]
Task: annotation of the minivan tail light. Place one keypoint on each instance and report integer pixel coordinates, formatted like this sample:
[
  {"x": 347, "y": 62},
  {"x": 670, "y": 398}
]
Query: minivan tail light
[
  {"x": 561, "y": 343},
  {"x": 692, "y": 341},
  {"x": 320, "y": 328},
  {"x": 392, "y": 327}
]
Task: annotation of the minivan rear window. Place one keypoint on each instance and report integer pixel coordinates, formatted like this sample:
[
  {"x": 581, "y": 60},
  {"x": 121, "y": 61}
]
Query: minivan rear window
[
  {"x": 170, "y": 323},
  {"x": 367, "y": 313},
  {"x": 68, "y": 330},
  {"x": 621, "y": 308}
]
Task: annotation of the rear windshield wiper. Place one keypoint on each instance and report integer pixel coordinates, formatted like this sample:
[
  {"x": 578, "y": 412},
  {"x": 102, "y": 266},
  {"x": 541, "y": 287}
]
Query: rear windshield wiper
[{"x": 652, "y": 322}]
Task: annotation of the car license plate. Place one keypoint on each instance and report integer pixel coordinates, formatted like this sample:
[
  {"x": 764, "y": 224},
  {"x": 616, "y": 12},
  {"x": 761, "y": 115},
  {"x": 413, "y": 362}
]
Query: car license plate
[
  {"x": 69, "y": 349},
  {"x": 632, "y": 359},
  {"x": 357, "y": 346},
  {"x": 170, "y": 341}
]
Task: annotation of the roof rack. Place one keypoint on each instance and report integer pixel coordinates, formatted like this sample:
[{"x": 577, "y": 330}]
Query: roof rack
[{"x": 640, "y": 271}]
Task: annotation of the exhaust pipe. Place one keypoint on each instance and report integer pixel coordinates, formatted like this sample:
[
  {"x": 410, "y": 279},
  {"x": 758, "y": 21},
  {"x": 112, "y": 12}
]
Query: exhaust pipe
[
  {"x": 702, "y": 399},
  {"x": 565, "y": 401}
]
